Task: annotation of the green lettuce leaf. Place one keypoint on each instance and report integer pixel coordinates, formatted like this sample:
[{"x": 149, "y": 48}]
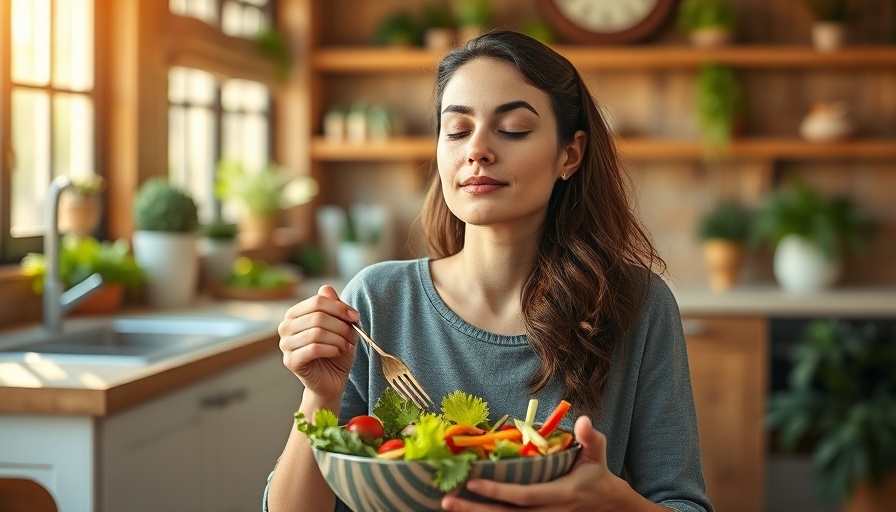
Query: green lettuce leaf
[{"x": 395, "y": 412}]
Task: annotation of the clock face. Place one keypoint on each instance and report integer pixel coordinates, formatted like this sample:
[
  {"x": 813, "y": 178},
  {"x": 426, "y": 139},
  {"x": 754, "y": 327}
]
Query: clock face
[
  {"x": 606, "y": 21},
  {"x": 606, "y": 15}
]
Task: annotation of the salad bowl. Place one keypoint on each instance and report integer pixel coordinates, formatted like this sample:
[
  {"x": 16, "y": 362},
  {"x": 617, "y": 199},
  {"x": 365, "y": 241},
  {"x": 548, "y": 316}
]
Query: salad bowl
[{"x": 374, "y": 484}]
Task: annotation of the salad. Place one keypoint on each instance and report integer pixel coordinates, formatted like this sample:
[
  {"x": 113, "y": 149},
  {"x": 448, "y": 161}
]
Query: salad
[{"x": 449, "y": 441}]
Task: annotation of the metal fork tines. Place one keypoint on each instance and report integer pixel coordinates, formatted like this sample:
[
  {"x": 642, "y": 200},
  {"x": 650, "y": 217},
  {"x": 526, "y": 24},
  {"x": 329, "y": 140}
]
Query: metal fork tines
[{"x": 398, "y": 375}]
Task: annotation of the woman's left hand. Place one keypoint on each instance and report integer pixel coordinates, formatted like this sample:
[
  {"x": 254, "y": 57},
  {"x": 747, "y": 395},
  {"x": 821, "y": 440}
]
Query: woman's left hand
[{"x": 589, "y": 485}]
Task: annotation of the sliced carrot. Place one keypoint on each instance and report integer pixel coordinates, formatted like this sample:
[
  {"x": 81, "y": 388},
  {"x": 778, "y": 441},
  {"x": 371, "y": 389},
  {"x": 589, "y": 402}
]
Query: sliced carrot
[
  {"x": 454, "y": 430},
  {"x": 554, "y": 419},
  {"x": 490, "y": 438}
]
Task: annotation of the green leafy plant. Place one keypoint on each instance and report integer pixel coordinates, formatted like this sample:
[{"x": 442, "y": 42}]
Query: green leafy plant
[
  {"x": 437, "y": 14},
  {"x": 473, "y": 13},
  {"x": 219, "y": 230},
  {"x": 81, "y": 257},
  {"x": 831, "y": 10},
  {"x": 841, "y": 397},
  {"x": 267, "y": 190},
  {"x": 399, "y": 29},
  {"x": 258, "y": 274},
  {"x": 90, "y": 186},
  {"x": 693, "y": 15},
  {"x": 719, "y": 104},
  {"x": 356, "y": 230},
  {"x": 832, "y": 224},
  {"x": 271, "y": 43},
  {"x": 727, "y": 220},
  {"x": 160, "y": 206}
]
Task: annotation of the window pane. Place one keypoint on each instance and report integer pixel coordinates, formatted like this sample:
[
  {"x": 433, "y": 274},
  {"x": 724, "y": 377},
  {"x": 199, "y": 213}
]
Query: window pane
[
  {"x": 73, "y": 45},
  {"x": 244, "y": 95},
  {"x": 177, "y": 85},
  {"x": 72, "y": 135},
  {"x": 204, "y": 10},
  {"x": 31, "y": 144},
  {"x": 200, "y": 153},
  {"x": 231, "y": 18},
  {"x": 177, "y": 157},
  {"x": 31, "y": 41},
  {"x": 201, "y": 88}
]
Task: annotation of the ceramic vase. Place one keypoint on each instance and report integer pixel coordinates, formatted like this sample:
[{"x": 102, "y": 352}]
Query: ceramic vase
[
  {"x": 170, "y": 263},
  {"x": 78, "y": 215},
  {"x": 825, "y": 122},
  {"x": 217, "y": 258},
  {"x": 800, "y": 267},
  {"x": 828, "y": 36}
]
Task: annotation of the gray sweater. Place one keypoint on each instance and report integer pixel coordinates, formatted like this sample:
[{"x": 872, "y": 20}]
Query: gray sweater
[{"x": 648, "y": 411}]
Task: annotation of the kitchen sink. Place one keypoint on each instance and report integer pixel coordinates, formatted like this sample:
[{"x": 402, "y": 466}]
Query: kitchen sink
[{"x": 128, "y": 341}]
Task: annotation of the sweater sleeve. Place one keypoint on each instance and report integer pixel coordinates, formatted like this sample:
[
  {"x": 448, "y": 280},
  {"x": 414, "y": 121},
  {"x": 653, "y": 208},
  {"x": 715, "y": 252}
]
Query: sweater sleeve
[{"x": 663, "y": 457}]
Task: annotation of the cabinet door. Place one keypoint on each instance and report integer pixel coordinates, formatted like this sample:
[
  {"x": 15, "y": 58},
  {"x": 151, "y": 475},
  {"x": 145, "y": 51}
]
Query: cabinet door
[
  {"x": 251, "y": 429},
  {"x": 208, "y": 447},
  {"x": 727, "y": 358}
]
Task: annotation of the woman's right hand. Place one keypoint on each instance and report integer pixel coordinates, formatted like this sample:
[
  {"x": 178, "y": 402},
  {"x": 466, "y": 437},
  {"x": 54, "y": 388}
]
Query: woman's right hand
[{"x": 318, "y": 343}]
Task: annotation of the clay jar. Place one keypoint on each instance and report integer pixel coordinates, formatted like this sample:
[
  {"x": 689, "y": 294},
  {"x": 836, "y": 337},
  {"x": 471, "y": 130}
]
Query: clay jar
[{"x": 825, "y": 122}]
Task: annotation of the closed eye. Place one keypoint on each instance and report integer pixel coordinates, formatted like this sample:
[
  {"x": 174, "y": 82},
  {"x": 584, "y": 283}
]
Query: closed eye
[
  {"x": 456, "y": 135},
  {"x": 514, "y": 135}
]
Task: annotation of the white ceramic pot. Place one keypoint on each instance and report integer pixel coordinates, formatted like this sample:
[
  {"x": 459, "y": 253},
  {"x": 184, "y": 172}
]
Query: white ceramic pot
[
  {"x": 828, "y": 36},
  {"x": 218, "y": 257},
  {"x": 170, "y": 262},
  {"x": 352, "y": 257},
  {"x": 826, "y": 122},
  {"x": 800, "y": 267}
]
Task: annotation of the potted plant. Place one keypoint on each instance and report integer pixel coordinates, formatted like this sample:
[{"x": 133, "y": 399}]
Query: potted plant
[
  {"x": 218, "y": 250},
  {"x": 167, "y": 222},
  {"x": 398, "y": 29},
  {"x": 81, "y": 257},
  {"x": 719, "y": 103},
  {"x": 709, "y": 23},
  {"x": 829, "y": 26},
  {"x": 809, "y": 233},
  {"x": 262, "y": 194},
  {"x": 439, "y": 26},
  {"x": 79, "y": 206},
  {"x": 841, "y": 402},
  {"x": 724, "y": 231},
  {"x": 359, "y": 247},
  {"x": 473, "y": 18}
]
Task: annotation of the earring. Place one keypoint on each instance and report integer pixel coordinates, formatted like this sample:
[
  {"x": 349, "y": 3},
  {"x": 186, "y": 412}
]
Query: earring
[{"x": 563, "y": 176}]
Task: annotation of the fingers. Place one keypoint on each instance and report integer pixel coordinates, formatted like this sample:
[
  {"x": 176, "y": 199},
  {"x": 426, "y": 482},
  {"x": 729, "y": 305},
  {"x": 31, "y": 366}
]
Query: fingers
[{"x": 326, "y": 301}]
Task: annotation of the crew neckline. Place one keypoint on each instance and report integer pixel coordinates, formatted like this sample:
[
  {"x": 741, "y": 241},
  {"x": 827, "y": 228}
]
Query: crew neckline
[{"x": 457, "y": 322}]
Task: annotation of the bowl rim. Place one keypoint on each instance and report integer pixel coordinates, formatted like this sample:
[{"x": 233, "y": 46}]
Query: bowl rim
[{"x": 574, "y": 447}]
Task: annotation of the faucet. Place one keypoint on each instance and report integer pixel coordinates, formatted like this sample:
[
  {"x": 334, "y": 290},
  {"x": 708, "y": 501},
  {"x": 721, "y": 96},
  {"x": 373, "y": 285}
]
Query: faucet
[{"x": 57, "y": 300}]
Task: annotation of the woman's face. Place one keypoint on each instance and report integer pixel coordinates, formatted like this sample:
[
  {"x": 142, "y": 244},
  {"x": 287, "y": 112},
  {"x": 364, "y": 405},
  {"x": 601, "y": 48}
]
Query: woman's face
[{"x": 497, "y": 151}]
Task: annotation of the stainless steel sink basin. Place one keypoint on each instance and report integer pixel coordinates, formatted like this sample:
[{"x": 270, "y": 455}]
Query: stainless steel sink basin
[{"x": 129, "y": 341}]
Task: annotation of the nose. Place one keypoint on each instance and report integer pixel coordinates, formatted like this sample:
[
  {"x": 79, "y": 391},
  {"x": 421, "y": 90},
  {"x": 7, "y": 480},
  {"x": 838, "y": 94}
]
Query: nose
[{"x": 480, "y": 150}]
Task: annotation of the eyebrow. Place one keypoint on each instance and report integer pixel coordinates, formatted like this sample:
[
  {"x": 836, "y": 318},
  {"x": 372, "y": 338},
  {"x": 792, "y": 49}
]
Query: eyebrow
[{"x": 500, "y": 109}]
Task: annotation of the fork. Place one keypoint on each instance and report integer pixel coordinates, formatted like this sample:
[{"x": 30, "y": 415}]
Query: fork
[{"x": 398, "y": 375}]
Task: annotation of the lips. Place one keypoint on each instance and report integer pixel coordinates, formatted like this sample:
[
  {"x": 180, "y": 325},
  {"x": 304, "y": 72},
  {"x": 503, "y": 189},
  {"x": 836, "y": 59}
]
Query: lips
[{"x": 478, "y": 185}]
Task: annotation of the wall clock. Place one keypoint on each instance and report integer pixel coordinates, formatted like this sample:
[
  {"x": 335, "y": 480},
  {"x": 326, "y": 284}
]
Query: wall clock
[{"x": 606, "y": 21}]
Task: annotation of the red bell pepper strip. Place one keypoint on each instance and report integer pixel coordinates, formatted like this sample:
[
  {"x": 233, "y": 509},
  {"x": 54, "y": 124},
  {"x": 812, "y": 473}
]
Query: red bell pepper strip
[
  {"x": 554, "y": 419},
  {"x": 529, "y": 450}
]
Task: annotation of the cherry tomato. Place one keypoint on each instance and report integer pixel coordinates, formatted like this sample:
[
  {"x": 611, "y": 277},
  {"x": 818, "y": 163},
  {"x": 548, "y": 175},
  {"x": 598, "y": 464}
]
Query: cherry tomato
[
  {"x": 391, "y": 444},
  {"x": 368, "y": 427}
]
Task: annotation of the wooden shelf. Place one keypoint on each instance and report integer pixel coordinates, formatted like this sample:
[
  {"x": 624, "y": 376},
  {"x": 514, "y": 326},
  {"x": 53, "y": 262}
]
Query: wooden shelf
[
  {"x": 423, "y": 149},
  {"x": 380, "y": 60}
]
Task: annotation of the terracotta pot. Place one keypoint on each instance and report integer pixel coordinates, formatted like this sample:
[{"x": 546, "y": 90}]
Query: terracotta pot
[
  {"x": 723, "y": 261},
  {"x": 711, "y": 37},
  {"x": 258, "y": 228},
  {"x": 107, "y": 299},
  {"x": 868, "y": 498},
  {"x": 78, "y": 215}
]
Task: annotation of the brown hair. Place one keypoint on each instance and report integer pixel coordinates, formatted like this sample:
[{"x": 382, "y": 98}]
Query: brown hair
[{"x": 593, "y": 258}]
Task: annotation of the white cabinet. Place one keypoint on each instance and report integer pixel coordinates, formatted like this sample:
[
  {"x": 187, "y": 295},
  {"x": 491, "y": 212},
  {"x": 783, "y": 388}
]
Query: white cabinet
[{"x": 208, "y": 447}]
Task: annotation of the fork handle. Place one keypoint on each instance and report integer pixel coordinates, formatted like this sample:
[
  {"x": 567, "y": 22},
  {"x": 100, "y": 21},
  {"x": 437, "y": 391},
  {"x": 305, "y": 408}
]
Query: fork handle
[{"x": 367, "y": 338}]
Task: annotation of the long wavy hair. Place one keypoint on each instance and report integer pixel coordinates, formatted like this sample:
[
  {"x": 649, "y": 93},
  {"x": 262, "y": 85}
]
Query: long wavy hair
[{"x": 593, "y": 258}]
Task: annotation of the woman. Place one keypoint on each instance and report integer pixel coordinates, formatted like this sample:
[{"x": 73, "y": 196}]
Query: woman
[{"x": 540, "y": 284}]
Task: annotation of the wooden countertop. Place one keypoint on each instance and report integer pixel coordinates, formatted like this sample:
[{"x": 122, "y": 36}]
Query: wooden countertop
[{"x": 45, "y": 387}]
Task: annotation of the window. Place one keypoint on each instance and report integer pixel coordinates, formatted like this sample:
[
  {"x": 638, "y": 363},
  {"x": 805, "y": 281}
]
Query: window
[
  {"x": 212, "y": 119},
  {"x": 47, "y": 115}
]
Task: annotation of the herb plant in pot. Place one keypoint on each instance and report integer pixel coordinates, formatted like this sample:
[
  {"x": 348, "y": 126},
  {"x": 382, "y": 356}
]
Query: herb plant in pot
[
  {"x": 841, "y": 403},
  {"x": 80, "y": 206},
  {"x": 725, "y": 231},
  {"x": 473, "y": 18},
  {"x": 829, "y": 26},
  {"x": 218, "y": 251},
  {"x": 81, "y": 257},
  {"x": 709, "y": 23},
  {"x": 262, "y": 194},
  {"x": 362, "y": 233},
  {"x": 167, "y": 223},
  {"x": 810, "y": 233}
]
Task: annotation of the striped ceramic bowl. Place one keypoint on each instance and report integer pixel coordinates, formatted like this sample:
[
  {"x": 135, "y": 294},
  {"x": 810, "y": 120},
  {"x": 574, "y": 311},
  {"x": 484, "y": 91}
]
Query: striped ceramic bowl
[{"x": 370, "y": 484}]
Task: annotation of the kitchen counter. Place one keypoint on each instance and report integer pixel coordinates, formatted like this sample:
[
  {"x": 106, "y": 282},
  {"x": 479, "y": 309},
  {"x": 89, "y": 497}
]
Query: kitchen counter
[{"x": 43, "y": 386}]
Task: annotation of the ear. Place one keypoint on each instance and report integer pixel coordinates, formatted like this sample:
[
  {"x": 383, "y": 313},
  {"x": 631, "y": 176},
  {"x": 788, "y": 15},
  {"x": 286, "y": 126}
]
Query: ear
[{"x": 572, "y": 155}]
